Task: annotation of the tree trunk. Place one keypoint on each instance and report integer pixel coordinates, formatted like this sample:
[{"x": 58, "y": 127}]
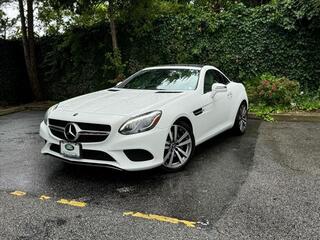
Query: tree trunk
[
  {"x": 113, "y": 34},
  {"x": 35, "y": 84},
  {"x": 113, "y": 28},
  {"x": 116, "y": 50},
  {"x": 29, "y": 48},
  {"x": 24, "y": 37}
]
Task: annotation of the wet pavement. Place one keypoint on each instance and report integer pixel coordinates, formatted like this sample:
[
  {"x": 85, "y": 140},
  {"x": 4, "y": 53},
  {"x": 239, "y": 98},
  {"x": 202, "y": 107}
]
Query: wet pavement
[{"x": 205, "y": 192}]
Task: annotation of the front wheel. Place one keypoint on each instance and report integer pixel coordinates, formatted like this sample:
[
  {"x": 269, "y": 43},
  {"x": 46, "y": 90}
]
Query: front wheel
[
  {"x": 179, "y": 147},
  {"x": 240, "y": 123}
]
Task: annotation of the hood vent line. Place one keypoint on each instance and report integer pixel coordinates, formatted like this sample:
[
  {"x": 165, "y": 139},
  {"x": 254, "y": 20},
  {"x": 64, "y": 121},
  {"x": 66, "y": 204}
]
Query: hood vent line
[{"x": 168, "y": 92}]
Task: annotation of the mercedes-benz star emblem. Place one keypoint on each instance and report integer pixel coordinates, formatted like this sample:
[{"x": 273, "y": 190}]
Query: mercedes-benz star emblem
[{"x": 71, "y": 131}]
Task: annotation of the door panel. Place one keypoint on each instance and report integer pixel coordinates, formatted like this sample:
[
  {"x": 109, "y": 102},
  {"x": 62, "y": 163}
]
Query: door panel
[{"x": 216, "y": 110}]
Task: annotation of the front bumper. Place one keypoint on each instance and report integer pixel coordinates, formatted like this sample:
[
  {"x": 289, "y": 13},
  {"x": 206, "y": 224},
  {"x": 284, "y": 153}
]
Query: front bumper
[{"x": 152, "y": 141}]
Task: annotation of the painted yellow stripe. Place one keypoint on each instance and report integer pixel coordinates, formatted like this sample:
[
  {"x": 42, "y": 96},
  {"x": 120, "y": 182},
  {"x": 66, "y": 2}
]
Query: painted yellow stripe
[
  {"x": 44, "y": 197},
  {"x": 160, "y": 218},
  {"x": 18, "y": 193},
  {"x": 72, "y": 203}
]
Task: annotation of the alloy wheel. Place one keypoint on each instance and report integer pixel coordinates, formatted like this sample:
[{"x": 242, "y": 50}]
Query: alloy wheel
[
  {"x": 243, "y": 118},
  {"x": 178, "y": 147}
]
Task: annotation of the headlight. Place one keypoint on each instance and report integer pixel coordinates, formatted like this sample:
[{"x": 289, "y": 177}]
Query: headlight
[
  {"x": 140, "y": 123},
  {"x": 45, "y": 119}
]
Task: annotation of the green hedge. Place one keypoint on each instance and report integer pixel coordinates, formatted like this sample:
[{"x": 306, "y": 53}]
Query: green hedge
[
  {"x": 14, "y": 86},
  {"x": 243, "y": 42},
  {"x": 73, "y": 64}
]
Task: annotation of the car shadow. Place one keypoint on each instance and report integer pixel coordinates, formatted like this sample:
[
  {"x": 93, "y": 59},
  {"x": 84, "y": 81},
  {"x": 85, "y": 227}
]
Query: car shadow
[
  {"x": 225, "y": 141},
  {"x": 109, "y": 175},
  {"x": 209, "y": 182}
]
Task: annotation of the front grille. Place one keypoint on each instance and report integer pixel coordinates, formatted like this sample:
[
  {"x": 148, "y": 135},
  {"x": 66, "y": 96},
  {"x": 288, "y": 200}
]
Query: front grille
[
  {"x": 87, "y": 153},
  {"x": 89, "y": 132}
]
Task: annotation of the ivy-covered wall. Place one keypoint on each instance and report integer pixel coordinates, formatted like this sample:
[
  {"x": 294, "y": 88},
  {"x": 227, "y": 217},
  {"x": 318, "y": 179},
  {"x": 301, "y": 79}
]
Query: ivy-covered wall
[{"x": 243, "y": 42}]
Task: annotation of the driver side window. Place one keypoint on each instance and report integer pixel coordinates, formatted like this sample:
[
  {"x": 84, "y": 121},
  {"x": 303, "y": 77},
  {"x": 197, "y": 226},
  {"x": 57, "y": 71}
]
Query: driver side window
[{"x": 210, "y": 78}]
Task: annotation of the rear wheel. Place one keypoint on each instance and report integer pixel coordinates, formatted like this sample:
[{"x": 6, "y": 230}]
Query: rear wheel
[
  {"x": 240, "y": 123},
  {"x": 179, "y": 147}
]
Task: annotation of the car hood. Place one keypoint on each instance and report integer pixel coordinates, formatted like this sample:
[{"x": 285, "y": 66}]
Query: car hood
[{"x": 120, "y": 102}]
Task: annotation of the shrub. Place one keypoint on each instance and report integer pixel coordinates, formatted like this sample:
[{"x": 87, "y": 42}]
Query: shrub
[
  {"x": 271, "y": 90},
  {"x": 307, "y": 101}
]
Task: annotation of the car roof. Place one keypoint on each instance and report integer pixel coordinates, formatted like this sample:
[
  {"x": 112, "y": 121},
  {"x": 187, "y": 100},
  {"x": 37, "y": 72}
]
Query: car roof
[{"x": 182, "y": 66}]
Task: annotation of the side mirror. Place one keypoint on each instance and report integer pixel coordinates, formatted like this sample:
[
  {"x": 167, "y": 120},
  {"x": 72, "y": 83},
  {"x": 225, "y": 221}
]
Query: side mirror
[
  {"x": 118, "y": 83},
  {"x": 217, "y": 88}
]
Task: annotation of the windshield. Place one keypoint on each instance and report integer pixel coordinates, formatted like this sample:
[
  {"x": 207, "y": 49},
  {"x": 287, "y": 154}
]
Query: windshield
[{"x": 164, "y": 79}]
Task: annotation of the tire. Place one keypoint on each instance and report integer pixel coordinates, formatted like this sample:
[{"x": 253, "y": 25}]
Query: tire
[
  {"x": 240, "y": 123},
  {"x": 179, "y": 147}
]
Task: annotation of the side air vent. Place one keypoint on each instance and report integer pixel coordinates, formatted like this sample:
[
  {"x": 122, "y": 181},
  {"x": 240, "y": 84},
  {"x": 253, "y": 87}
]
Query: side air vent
[
  {"x": 113, "y": 90},
  {"x": 198, "y": 111}
]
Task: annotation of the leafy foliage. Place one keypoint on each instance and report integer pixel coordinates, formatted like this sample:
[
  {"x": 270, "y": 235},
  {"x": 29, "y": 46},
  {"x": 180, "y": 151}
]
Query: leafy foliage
[
  {"x": 6, "y": 24},
  {"x": 305, "y": 12},
  {"x": 74, "y": 64},
  {"x": 269, "y": 94},
  {"x": 307, "y": 102},
  {"x": 243, "y": 38},
  {"x": 243, "y": 42},
  {"x": 271, "y": 90},
  {"x": 115, "y": 65}
]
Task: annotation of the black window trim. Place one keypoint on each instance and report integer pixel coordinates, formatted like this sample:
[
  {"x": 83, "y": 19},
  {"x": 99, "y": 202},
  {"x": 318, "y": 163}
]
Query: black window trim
[
  {"x": 204, "y": 78},
  {"x": 221, "y": 74}
]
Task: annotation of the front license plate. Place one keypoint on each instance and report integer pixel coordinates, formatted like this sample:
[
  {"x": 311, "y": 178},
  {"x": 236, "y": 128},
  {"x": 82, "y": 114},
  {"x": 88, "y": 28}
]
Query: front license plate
[{"x": 71, "y": 150}]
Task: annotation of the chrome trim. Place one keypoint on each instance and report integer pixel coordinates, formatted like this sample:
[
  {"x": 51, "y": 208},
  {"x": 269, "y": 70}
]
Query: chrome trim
[
  {"x": 92, "y": 132},
  {"x": 80, "y": 132},
  {"x": 57, "y": 128}
]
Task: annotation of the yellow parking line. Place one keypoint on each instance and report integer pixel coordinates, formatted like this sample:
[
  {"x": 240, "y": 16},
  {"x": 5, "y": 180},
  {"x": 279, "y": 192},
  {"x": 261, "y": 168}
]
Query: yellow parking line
[
  {"x": 72, "y": 203},
  {"x": 154, "y": 217},
  {"x": 160, "y": 218},
  {"x": 44, "y": 197},
  {"x": 18, "y": 193}
]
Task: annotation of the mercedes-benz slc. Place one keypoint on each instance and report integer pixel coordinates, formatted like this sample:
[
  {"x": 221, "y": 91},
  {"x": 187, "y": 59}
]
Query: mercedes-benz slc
[{"x": 156, "y": 117}]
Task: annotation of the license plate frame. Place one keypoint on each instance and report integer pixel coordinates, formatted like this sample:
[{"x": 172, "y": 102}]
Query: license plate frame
[{"x": 70, "y": 149}]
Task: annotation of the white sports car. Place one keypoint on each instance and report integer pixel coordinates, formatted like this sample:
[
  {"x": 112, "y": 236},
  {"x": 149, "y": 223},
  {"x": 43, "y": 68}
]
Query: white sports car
[{"x": 154, "y": 118}]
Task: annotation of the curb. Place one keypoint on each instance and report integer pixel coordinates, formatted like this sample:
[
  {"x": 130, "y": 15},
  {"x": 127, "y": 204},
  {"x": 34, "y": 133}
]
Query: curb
[
  {"x": 11, "y": 110},
  {"x": 290, "y": 117},
  {"x": 27, "y": 107},
  {"x": 287, "y": 117}
]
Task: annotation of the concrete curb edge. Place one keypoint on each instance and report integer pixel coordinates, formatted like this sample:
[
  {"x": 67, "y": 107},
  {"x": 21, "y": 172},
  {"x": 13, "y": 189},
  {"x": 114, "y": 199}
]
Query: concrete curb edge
[{"x": 291, "y": 117}]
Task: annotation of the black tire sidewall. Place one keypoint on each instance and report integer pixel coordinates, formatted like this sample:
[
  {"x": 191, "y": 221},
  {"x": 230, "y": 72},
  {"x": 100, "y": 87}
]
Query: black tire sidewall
[{"x": 236, "y": 126}]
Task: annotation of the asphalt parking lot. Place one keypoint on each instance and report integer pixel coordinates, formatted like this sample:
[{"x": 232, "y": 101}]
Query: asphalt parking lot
[{"x": 263, "y": 185}]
